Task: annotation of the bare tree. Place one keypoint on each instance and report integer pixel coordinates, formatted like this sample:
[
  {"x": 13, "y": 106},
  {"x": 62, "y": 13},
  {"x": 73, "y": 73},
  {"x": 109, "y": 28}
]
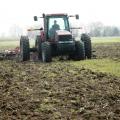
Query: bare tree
[
  {"x": 15, "y": 31},
  {"x": 97, "y": 29}
]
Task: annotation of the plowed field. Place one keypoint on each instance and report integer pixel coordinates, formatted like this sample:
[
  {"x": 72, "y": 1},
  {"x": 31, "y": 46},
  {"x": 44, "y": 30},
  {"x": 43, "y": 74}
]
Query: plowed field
[{"x": 59, "y": 90}]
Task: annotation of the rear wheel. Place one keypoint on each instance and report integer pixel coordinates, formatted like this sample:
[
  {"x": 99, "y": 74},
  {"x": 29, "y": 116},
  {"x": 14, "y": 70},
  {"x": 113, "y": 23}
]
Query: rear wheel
[
  {"x": 46, "y": 52},
  {"x": 88, "y": 47},
  {"x": 38, "y": 46},
  {"x": 24, "y": 48}
]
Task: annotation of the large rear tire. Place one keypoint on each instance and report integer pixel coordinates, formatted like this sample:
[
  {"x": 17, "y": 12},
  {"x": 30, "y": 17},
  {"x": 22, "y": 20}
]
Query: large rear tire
[
  {"x": 38, "y": 44},
  {"x": 24, "y": 48},
  {"x": 88, "y": 47},
  {"x": 46, "y": 52}
]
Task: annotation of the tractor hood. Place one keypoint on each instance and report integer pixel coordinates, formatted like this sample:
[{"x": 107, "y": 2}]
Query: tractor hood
[
  {"x": 63, "y": 35},
  {"x": 63, "y": 32}
]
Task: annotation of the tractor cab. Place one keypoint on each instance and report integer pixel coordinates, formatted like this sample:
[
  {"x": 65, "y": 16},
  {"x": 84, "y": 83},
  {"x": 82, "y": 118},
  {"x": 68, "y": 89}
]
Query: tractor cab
[
  {"x": 56, "y": 27},
  {"x": 54, "y": 23}
]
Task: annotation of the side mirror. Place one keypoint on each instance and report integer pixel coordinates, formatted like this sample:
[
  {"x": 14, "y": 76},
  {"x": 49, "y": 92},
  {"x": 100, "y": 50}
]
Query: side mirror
[
  {"x": 35, "y": 18},
  {"x": 41, "y": 28},
  {"x": 77, "y": 17}
]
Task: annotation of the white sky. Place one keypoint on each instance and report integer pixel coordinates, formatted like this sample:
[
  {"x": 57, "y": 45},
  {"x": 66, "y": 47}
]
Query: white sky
[{"x": 21, "y": 12}]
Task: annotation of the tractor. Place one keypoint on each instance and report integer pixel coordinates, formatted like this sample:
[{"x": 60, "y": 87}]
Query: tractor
[{"x": 56, "y": 39}]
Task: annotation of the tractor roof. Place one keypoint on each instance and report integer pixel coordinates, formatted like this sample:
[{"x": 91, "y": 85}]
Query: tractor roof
[{"x": 59, "y": 14}]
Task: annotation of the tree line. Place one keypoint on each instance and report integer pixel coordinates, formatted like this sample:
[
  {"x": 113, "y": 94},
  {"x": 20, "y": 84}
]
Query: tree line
[{"x": 97, "y": 29}]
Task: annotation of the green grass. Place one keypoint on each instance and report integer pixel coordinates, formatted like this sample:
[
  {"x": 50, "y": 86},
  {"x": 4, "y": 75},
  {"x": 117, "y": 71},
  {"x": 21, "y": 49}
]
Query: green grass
[
  {"x": 12, "y": 43},
  {"x": 100, "y": 65},
  {"x": 105, "y": 39},
  {"x": 8, "y": 44}
]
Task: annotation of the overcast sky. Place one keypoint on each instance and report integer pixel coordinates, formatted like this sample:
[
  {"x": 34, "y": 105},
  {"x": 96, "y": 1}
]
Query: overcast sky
[{"x": 21, "y": 12}]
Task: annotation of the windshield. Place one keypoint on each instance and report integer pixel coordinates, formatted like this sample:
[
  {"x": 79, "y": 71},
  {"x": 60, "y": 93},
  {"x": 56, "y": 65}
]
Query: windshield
[{"x": 57, "y": 23}]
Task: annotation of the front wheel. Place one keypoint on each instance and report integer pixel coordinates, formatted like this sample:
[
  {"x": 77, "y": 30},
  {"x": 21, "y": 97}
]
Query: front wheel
[
  {"x": 80, "y": 50},
  {"x": 79, "y": 53},
  {"x": 46, "y": 52}
]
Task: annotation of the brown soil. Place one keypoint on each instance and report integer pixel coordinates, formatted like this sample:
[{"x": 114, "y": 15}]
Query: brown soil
[
  {"x": 110, "y": 50},
  {"x": 59, "y": 91},
  {"x": 37, "y": 91}
]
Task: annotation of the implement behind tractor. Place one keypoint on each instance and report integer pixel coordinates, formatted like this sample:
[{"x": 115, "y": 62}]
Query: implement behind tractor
[{"x": 56, "y": 39}]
